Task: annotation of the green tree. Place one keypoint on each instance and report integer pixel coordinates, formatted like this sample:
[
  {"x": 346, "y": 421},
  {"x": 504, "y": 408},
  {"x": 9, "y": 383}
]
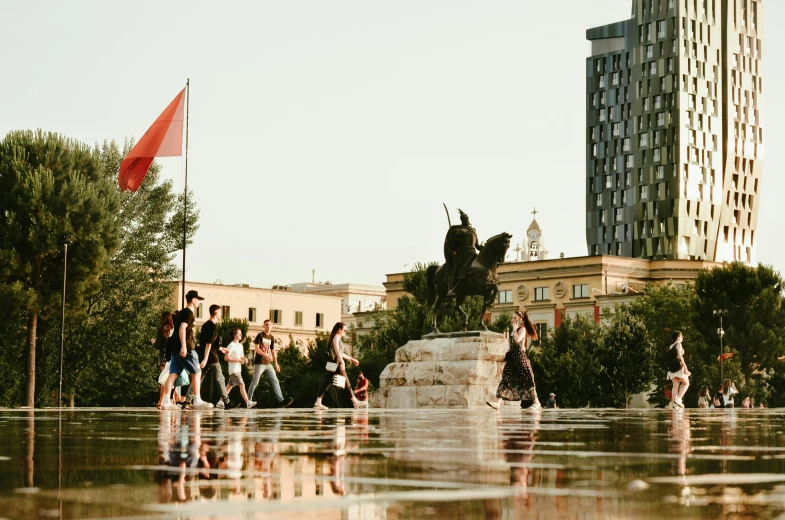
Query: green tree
[
  {"x": 626, "y": 358},
  {"x": 755, "y": 324},
  {"x": 52, "y": 190},
  {"x": 122, "y": 311},
  {"x": 566, "y": 364}
]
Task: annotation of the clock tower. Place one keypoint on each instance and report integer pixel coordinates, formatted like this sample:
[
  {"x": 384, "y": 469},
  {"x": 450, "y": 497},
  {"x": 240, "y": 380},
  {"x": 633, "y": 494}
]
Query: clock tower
[{"x": 533, "y": 248}]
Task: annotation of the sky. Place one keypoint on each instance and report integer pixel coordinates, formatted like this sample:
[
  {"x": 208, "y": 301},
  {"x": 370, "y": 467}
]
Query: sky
[{"x": 326, "y": 135}]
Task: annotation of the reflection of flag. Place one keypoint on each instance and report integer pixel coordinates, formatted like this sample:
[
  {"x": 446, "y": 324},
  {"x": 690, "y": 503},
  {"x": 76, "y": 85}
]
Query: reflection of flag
[
  {"x": 163, "y": 139},
  {"x": 725, "y": 356}
]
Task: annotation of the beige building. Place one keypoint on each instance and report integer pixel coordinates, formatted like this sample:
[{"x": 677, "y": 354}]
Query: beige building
[
  {"x": 303, "y": 315},
  {"x": 551, "y": 289},
  {"x": 356, "y": 299}
]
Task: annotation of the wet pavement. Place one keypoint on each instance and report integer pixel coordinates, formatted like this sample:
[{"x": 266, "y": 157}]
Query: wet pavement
[{"x": 390, "y": 464}]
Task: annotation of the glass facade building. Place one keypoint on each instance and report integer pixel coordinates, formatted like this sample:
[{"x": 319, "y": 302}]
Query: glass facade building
[{"x": 674, "y": 131}]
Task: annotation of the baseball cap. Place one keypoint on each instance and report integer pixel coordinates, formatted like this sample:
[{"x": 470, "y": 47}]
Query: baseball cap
[{"x": 190, "y": 295}]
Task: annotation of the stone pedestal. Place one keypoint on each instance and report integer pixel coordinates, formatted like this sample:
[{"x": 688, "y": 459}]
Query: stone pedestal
[{"x": 458, "y": 370}]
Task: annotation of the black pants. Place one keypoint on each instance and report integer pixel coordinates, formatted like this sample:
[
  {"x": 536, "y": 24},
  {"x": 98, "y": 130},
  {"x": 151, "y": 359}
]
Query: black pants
[{"x": 328, "y": 380}]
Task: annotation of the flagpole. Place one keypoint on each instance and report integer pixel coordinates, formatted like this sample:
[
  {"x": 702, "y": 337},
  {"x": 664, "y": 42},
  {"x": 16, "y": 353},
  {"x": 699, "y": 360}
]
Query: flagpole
[{"x": 185, "y": 192}]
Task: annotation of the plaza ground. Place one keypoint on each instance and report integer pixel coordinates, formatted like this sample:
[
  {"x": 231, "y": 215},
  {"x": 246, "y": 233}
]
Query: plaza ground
[{"x": 390, "y": 464}]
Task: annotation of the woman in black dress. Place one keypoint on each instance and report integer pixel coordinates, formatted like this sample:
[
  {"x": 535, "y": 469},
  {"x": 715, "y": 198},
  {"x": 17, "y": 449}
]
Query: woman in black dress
[{"x": 517, "y": 382}]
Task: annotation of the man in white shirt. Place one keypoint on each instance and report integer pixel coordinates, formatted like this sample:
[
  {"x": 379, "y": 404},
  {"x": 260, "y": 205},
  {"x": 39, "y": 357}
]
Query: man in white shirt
[{"x": 235, "y": 357}]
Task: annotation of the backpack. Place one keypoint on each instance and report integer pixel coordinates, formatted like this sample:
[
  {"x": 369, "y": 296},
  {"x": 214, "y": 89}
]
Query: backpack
[{"x": 672, "y": 359}]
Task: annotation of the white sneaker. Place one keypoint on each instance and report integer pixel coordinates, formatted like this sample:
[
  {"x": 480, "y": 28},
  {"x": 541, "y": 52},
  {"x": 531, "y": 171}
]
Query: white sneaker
[
  {"x": 202, "y": 405},
  {"x": 169, "y": 405},
  {"x": 220, "y": 405},
  {"x": 320, "y": 406},
  {"x": 250, "y": 404},
  {"x": 678, "y": 402},
  {"x": 535, "y": 406}
]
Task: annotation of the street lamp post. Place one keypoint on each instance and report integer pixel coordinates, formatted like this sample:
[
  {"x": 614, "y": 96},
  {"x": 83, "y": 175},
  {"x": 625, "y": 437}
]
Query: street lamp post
[
  {"x": 720, "y": 332},
  {"x": 62, "y": 325}
]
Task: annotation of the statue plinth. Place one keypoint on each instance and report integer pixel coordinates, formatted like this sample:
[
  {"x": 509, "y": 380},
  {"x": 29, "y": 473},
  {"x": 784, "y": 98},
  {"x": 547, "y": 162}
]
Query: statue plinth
[{"x": 454, "y": 370}]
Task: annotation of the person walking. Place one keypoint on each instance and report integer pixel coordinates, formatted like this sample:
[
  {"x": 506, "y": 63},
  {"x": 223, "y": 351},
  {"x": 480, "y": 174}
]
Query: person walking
[
  {"x": 678, "y": 372},
  {"x": 517, "y": 382},
  {"x": 728, "y": 391},
  {"x": 161, "y": 344},
  {"x": 265, "y": 362},
  {"x": 337, "y": 367},
  {"x": 209, "y": 343},
  {"x": 235, "y": 357},
  {"x": 182, "y": 347}
]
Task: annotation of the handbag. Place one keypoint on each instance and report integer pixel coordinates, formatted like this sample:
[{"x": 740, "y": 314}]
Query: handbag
[
  {"x": 339, "y": 381},
  {"x": 331, "y": 366},
  {"x": 183, "y": 379},
  {"x": 164, "y": 374}
]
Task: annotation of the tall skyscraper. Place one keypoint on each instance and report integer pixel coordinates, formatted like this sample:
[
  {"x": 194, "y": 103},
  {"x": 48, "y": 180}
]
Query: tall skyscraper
[{"x": 674, "y": 131}]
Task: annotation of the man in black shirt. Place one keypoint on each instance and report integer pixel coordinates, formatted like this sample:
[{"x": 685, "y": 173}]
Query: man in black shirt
[
  {"x": 182, "y": 346},
  {"x": 209, "y": 344}
]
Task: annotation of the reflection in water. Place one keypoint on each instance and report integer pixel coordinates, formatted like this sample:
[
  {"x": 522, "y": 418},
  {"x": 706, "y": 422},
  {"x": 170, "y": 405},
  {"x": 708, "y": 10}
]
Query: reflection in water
[{"x": 369, "y": 464}]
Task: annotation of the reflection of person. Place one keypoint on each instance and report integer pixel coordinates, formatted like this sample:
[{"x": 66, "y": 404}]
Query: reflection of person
[
  {"x": 517, "y": 382},
  {"x": 518, "y": 443},
  {"x": 677, "y": 370},
  {"x": 335, "y": 355},
  {"x": 680, "y": 438}
]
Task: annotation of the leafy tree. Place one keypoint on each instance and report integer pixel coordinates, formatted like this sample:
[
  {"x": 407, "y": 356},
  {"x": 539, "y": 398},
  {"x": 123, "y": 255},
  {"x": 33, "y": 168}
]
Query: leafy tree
[
  {"x": 626, "y": 358},
  {"x": 755, "y": 324},
  {"x": 52, "y": 190},
  {"x": 123, "y": 309},
  {"x": 566, "y": 364}
]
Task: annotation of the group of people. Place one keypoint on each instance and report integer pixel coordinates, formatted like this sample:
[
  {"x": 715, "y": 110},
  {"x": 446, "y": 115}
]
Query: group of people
[
  {"x": 679, "y": 374},
  {"x": 183, "y": 362}
]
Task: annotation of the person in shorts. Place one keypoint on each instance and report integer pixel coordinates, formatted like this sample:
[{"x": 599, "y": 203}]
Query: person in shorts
[
  {"x": 182, "y": 347},
  {"x": 236, "y": 357},
  {"x": 677, "y": 370}
]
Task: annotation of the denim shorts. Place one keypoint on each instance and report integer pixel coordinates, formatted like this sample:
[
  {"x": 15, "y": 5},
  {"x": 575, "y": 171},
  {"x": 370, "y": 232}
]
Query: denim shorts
[{"x": 190, "y": 363}]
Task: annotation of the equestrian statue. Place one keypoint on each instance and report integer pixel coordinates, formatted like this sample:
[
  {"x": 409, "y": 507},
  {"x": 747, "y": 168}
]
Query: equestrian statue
[{"x": 469, "y": 268}]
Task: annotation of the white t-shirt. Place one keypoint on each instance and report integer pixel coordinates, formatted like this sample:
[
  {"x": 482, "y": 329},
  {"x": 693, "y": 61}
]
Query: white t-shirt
[
  {"x": 728, "y": 398},
  {"x": 235, "y": 352}
]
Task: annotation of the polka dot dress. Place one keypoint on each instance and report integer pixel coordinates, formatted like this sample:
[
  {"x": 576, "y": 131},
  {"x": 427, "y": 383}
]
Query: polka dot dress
[{"x": 517, "y": 382}]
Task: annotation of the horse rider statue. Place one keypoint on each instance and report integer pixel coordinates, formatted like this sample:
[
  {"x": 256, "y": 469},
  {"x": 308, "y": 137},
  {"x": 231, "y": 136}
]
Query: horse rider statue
[{"x": 460, "y": 249}]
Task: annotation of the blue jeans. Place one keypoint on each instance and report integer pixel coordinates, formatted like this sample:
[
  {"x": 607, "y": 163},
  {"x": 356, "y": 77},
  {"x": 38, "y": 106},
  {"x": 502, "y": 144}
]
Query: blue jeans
[{"x": 269, "y": 373}]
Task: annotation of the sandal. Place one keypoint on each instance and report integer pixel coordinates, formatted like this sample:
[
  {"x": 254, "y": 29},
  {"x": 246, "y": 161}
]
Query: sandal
[{"x": 492, "y": 405}]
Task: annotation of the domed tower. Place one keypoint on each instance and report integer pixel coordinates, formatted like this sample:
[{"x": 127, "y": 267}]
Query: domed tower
[{"x": 533, "y": 248}]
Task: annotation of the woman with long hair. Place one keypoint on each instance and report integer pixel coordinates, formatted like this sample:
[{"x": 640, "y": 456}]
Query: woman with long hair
[
  {"x": 337, "y": 358},
  {"x": 517, "y": 382},
  {"x": 678, "y": 372},
  {"x": 704, "y": 398},
  {"x": 728, "y": 391},
  {"x": 165, "y": 327}
]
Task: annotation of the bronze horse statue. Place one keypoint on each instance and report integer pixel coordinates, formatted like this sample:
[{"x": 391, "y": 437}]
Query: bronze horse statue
[{"x": 479, "y": 279}]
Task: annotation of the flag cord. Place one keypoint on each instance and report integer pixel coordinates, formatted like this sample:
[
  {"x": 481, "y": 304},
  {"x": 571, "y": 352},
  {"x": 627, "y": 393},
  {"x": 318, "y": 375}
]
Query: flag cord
[{"x": 185, "y": 192}]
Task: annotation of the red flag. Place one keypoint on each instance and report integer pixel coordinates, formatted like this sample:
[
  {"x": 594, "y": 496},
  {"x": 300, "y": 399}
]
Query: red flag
[
  {"x": 725, "y": 356},
  {"x": 163, "y": 139}
]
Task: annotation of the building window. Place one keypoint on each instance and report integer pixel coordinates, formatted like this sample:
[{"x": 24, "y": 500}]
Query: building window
[
  {"x": 542, "y": 332},
  {"x": 226, "y": 312},
  {"x": 251, "y": 314},
  {"x": 505, "y": 297},
  {"x": 542, "y": 294},
  {"x": 319, "y": 320},
  {"x": 276, "y": 315},
  {"x": 580, "y": 290},
  {"x": 298, "y": 318},
  {"x": 199, "y": 311}
]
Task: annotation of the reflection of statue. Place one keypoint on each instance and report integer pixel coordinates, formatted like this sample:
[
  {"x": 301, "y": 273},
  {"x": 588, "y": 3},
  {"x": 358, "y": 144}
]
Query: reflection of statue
[
  {"x": 460, "y": 248},
  {"x": 465, "y": 272}
]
